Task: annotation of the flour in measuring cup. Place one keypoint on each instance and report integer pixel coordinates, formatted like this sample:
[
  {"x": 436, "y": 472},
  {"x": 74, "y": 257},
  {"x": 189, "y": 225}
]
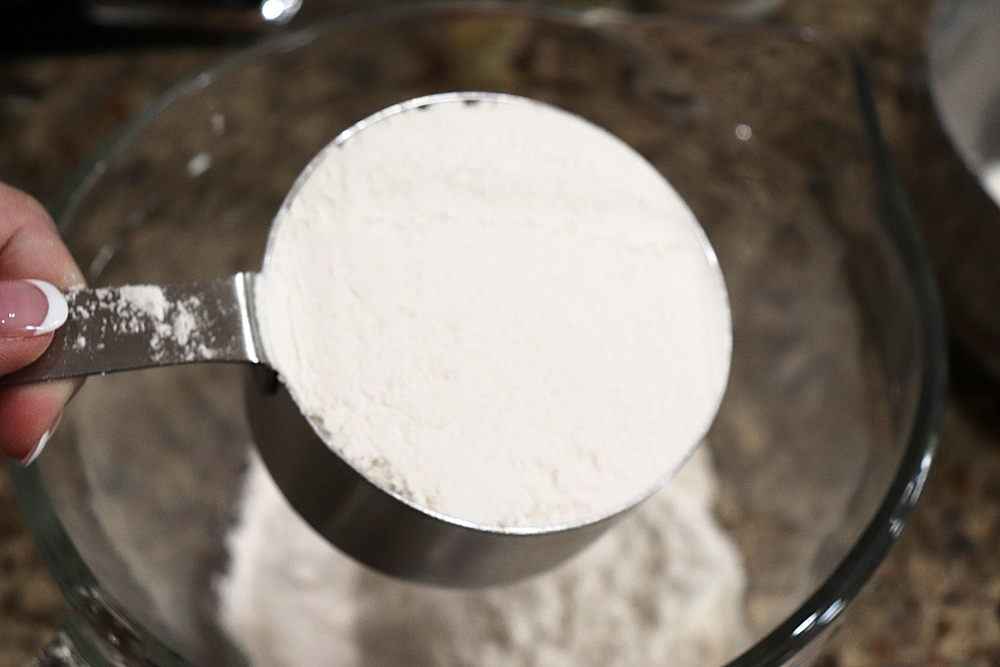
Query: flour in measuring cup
[{"x": 497, "y": 310}]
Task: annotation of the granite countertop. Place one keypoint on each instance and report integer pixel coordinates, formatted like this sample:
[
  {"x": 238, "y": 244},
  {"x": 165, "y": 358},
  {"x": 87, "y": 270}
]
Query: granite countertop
[{"x": 936, "y": 600}]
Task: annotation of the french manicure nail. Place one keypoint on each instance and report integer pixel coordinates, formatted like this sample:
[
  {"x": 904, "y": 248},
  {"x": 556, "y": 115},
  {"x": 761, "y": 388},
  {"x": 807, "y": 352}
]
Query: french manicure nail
[
  {"x": 30, "y": 308},
  {"x": 30, "y": 458}
]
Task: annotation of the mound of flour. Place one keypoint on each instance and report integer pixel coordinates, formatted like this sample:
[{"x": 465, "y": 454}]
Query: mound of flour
[
  {"x": 498, "y": 310},
  {"x": 664, "y": 587}
]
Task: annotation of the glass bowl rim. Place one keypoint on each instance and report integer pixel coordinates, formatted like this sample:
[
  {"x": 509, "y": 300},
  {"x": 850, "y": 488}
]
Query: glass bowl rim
[{"x": 824, "y": 605}]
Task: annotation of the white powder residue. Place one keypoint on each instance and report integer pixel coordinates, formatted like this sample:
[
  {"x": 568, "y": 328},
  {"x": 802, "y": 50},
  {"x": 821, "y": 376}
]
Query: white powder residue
[
  {"x": 664, "y": 587},
  {"x": 173, "y": 328},
  {"x": 185, "y": 324},
  {"x": 147, "y": 299},
  {"x": 498, "y": 310}
]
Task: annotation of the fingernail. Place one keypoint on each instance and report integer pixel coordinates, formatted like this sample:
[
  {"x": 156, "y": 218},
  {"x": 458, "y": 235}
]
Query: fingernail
[
  {"x": 30, "y": 458},
  {"x": 30, "y": 308}
]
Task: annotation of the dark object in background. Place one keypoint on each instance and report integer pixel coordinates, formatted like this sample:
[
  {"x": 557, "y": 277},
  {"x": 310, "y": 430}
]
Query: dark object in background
[{"x": 54, "y": 26}]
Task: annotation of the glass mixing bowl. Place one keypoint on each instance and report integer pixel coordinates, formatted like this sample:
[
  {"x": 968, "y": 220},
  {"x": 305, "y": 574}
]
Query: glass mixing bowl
[{"x": 829, "y": 424}]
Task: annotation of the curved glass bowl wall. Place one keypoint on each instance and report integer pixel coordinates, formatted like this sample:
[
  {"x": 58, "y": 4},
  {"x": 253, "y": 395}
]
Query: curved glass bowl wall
[{"x": 830, "y": 420}]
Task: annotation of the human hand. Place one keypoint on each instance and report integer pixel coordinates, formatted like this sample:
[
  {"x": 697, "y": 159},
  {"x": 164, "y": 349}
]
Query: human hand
[{"x": 33, "y": 259}]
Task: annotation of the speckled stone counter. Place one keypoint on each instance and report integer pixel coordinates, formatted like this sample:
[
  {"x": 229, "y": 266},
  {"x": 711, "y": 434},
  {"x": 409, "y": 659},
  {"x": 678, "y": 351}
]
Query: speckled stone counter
[{"x": 934, "y": 601}]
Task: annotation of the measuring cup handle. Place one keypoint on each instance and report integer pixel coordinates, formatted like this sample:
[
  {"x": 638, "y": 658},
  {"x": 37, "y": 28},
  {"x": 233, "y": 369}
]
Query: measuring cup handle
[{"x": 112, "y": 329}]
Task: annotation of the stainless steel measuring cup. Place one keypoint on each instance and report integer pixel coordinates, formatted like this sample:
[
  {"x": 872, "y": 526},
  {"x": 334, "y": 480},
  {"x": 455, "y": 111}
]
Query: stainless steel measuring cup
[{"x": 132, "y": 327}]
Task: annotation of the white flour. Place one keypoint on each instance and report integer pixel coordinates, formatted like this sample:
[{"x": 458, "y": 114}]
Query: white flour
[
  {"x": 664, "y": 587},
  {"x": 499, "y": 311},
  {"x": 146, "y": 309}
]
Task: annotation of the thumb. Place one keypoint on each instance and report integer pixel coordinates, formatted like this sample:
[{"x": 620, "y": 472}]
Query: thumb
[{"x": 30, "y": 310}]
